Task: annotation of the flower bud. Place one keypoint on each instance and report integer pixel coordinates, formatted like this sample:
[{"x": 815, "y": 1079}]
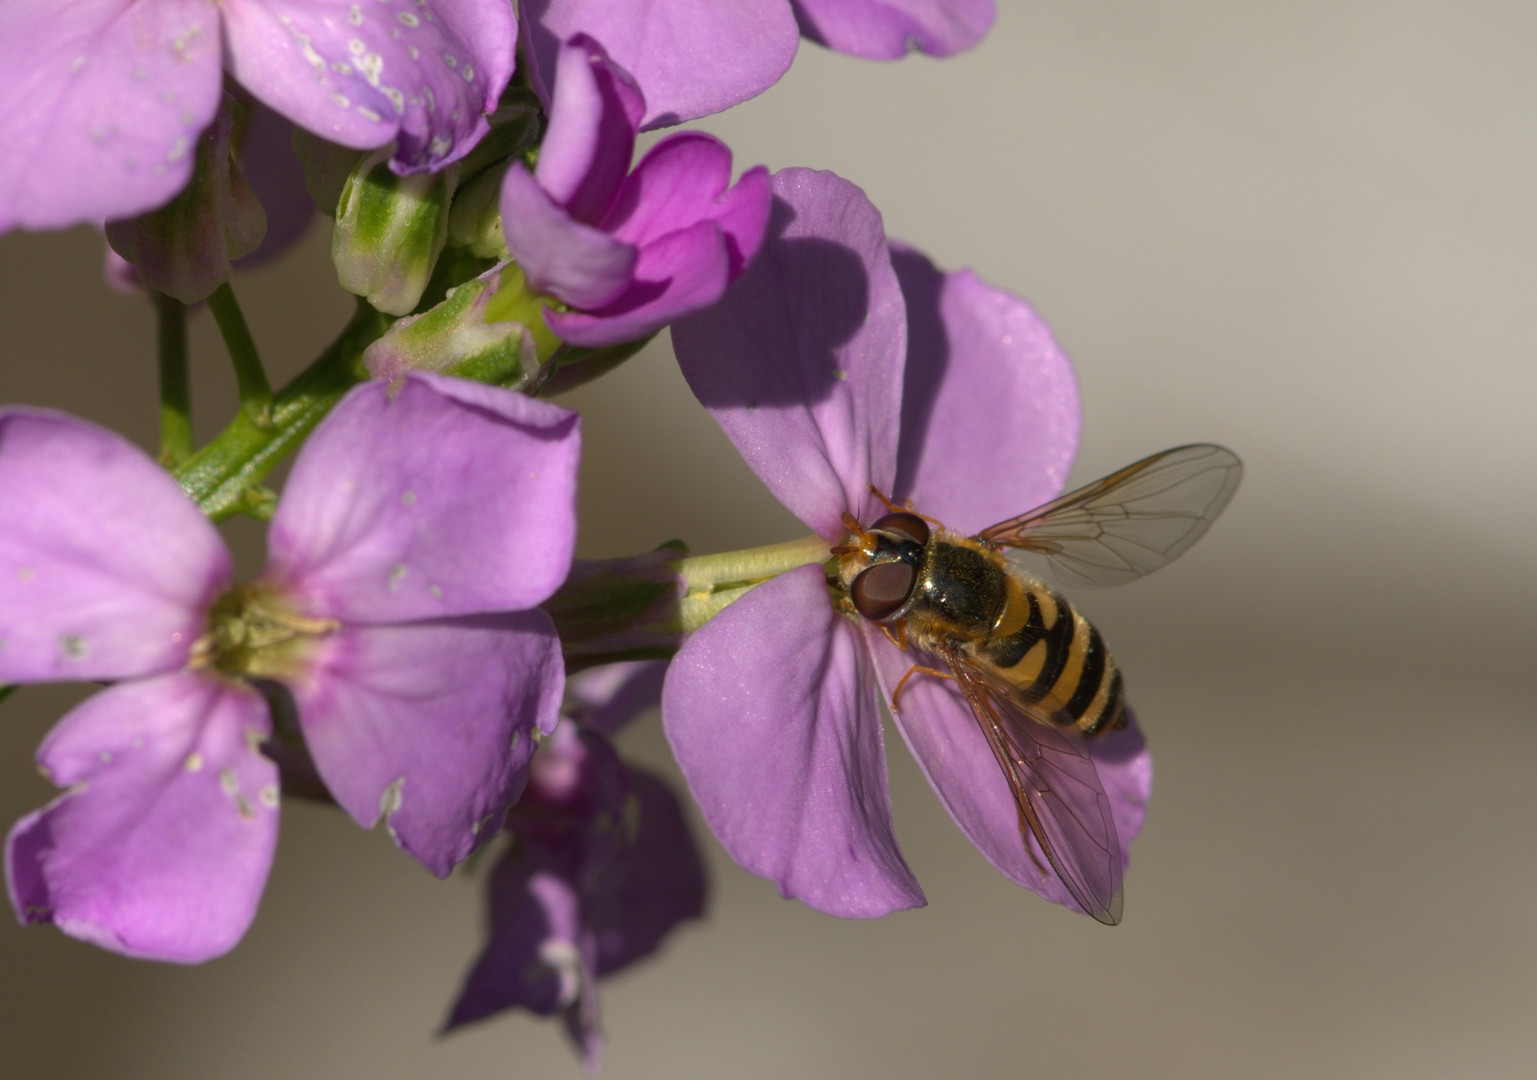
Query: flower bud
[
  {"x": 184, "y": 249},
  {"x": 389, "y": 231},
  {"x": 455, "y": 338}
]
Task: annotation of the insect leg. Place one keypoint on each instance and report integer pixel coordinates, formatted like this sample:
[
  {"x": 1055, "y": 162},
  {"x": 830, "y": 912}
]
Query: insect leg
[
  {"x": 916, "y": 669},
  {"x": 894, "y": 508}
]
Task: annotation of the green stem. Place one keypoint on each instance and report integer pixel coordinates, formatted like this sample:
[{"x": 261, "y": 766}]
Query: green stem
[
  {"x": 175, "y": 388},
  {"x": 729, "y": 569},
  {"x": 224, "y": 476},
  {"x": 250, "y": 376},
  {"x": 644, "y": 606}
]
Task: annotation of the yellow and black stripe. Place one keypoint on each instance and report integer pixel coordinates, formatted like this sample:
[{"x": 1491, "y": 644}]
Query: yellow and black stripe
[{"x": 1055, "y": 659}]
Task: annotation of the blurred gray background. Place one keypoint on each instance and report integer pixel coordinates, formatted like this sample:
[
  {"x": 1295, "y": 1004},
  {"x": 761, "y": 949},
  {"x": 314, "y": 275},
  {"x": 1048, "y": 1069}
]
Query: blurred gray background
[{"x": 1303, "y": 230}]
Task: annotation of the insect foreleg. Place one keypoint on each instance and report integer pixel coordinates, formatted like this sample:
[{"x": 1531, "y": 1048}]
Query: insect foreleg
[{"x": 916, "y": 669}]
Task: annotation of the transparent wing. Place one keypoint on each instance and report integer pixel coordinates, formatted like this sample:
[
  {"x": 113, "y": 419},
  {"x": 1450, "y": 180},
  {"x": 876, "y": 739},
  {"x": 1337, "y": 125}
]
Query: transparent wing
[
  {"x": 1131, "y": 522},
  {"x": 1057, "y": 789}
]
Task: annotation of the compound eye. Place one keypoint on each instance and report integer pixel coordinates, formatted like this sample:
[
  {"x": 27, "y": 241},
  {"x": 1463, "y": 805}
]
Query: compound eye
[
  {"x": 880, "y": 590},
  {"x": 905, "y": 525}
]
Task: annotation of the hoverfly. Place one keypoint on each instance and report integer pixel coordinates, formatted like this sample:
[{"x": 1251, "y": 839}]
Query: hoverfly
[{"x": 1035, "y": 673}]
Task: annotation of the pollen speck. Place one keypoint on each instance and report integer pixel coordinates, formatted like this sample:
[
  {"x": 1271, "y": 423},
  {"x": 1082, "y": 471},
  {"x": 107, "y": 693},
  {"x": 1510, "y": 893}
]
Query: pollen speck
[
  {"x": 268, "y": 796},
  {"x": 229, "y": 783},
  {"x": 73, "y": 646},
  {"x": 390, "y": 799},
  {"x": 194, "y": 762}
]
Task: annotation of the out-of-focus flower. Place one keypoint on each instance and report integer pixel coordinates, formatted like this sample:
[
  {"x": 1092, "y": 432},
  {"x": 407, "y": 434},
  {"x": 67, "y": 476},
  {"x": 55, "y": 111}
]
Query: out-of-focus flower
[
  {"x": 628, "y": 251},
  {"x": 265, "y": 163},
  {"x": 835, "y": 364},
  {"x": 889, "y": 29},
  {"x": 600, "y": 868},
  {"x": 692, "y": 59},
  {"x": 184, "y": 248},
  {"x": 107, "y": 98},
  {"x": 418, "y": 530}
]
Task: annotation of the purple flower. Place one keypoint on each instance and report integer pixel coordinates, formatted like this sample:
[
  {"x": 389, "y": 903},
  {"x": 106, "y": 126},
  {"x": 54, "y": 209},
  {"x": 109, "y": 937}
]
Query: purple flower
[
  {"x": 631, "y": 251},
  {"x": 832, "y": 365},
  {"x": 889, "y": 29},
  {"x": 692, "y": 59},
  {"x": 600, "y": 868},
  {"x": 110, "y": 96},
  {"x": 417, "y": 532}
]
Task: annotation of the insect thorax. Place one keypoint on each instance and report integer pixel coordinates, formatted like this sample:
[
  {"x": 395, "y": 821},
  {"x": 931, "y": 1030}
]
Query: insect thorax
[{"x": 961, "y": 591}]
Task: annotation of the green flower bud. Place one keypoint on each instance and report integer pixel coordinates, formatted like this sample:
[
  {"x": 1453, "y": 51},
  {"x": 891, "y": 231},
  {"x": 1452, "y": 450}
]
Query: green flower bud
[{"x": 389, "y": 231}]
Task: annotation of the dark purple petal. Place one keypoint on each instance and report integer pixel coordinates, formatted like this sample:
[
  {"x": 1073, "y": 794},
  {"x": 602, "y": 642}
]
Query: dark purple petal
[
  {"x": 591, "y": 137},
  {"x": 533, "y": 958},
  {"x": 162, "y": 845},
  {"x": 771, "y": 712},
  {"x": 105, "y": 101},
  {"x": 888, "y": 29},
  {"x": 561, "y": 256},
  {"x": 660, "y": 879},
  {"x": 430, "y": 725},
  {"x": 949, "y": 746},
  {"x": 446, "y": 497},
  {"x": 982, "y": 371},
  {"x": 271, "y": 166},
  {"x": 682, "y": 272},
  {"x": 590, "y": 884},
  {"x": 801, "y": 361},
  {"x": 690, "y": 58},
  {"x": 364, "y": 74},
  {"x": 106, "y": 567}
]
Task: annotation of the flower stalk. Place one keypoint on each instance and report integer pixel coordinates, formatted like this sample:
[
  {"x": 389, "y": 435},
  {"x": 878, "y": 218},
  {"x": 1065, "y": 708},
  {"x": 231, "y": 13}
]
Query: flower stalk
[
  {"x": 175, "y": 388},
  {"x": 224, "y": 477},
  {"x": 643, "y": 607},
  {"x": 250, "y": 376}
]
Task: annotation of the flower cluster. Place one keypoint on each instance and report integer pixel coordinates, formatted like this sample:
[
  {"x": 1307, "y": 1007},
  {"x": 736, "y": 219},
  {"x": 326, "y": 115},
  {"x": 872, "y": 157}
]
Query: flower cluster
[{"x": 404, "y": 652}]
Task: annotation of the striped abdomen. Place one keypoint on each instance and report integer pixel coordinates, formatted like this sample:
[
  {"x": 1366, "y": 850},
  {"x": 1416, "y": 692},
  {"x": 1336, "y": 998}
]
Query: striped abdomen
[{"x": 1054, "y": 658}]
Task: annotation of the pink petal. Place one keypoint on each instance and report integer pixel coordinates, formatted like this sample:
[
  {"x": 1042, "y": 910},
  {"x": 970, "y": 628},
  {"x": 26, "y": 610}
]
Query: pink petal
[
  {"x": 591, "y": 137},
  {"x": 949, "y": 746},
  {"x": 801, "y": 361},
  {"x": 982, "y": 372},
  {"x": 162, "y": 845},
  {"x": 364, "y": 74},
  {"x": 106, "y": 567},
  {"x": 106, "y": 99},
  {"x": 771, "y": 717},
  {"x": 431, "y": 725},
  {"x": 561, "y": 256},
  {"x": 446, "y": 497},
  {"x": 689, "y": 57},
  {"x": 682, "y": 272},
  {"x": 889, "y": 29},
  {"x": 681, "y": 180}
]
